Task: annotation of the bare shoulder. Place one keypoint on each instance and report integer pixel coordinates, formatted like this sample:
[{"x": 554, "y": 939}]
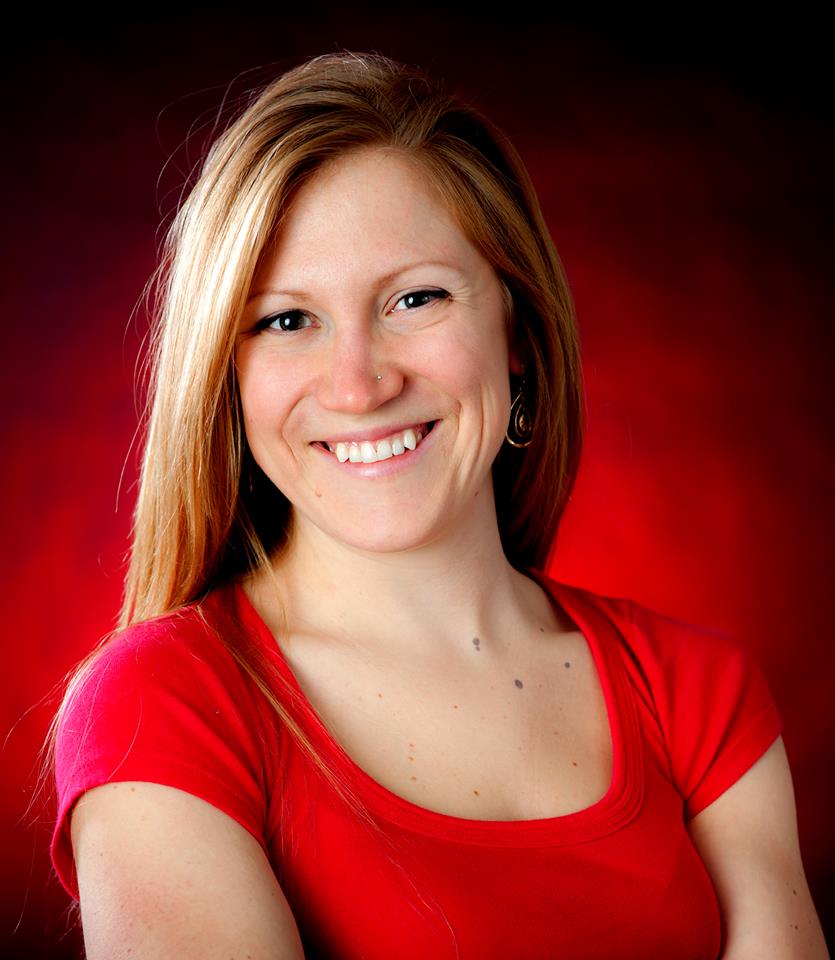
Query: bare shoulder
[
  {"x": 748, "y": 840},
  {"x": 162, "y": 873}
]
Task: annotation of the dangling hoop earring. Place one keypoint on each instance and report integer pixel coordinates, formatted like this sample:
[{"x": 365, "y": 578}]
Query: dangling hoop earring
[{"x": 520, "y": 430}]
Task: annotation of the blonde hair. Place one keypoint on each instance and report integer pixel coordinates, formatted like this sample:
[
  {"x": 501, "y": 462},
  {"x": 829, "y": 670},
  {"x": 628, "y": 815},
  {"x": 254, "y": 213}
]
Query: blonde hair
[{"x": 205, "y": 513}]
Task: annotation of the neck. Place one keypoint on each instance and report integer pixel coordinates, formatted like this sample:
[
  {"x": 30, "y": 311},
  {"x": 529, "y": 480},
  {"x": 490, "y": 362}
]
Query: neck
[{"x": 432, "y": 599}]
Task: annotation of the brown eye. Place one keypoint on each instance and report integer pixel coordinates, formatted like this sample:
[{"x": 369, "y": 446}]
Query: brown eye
[
  {"x": 420, "y": 298},
  {"x": 287, "y": 322}
]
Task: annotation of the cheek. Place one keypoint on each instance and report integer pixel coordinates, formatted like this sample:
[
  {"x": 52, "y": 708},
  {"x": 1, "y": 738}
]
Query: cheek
[
  {"x": 264, "y": 392},
  {"x": 474, "y": 369},
  {"x": 465, "y": 357}
]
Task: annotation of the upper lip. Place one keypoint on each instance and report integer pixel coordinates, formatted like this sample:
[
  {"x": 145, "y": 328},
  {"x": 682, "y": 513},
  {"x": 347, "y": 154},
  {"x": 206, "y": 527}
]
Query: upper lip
[{"x": 375, "y": 433}]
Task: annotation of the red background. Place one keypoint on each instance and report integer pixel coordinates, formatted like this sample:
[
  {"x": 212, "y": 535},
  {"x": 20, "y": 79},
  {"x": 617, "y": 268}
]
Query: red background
[{"x": 685, "y": 171}]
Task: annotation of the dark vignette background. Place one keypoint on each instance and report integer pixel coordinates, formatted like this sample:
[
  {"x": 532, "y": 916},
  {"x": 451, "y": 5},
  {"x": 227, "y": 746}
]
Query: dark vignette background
[{"x": 684, "y": 164}]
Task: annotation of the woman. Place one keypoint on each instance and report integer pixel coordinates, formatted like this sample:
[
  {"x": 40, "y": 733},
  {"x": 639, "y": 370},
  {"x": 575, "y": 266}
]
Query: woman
[{"x": 348, "y": 714}]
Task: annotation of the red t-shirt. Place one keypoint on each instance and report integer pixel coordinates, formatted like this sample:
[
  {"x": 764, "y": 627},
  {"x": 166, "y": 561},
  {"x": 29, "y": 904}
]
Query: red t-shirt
[{"x": 689, "y": 712}]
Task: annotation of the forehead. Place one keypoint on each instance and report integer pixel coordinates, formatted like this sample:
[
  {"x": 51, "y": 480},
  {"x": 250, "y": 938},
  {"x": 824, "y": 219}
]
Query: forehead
[{"x": 368, "y": 209}]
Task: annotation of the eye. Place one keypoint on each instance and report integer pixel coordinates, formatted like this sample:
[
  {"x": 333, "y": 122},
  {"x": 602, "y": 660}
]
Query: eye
[
  {"x": 420, "y": 298},
  {"x": 287, "y": 322}
]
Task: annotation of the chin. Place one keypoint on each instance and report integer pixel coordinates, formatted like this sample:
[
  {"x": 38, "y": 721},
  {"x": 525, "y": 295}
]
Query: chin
[
  {"x": 391, "y": 536},
  {"x": 396, "y": 542}
]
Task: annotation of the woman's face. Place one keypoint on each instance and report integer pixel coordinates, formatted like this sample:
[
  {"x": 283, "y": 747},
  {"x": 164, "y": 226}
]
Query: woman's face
[{"x": 373, "y": 322}]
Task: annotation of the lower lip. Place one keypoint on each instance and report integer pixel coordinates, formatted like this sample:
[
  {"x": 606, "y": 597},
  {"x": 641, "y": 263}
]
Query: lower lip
[{"x": 382, "y": 468}]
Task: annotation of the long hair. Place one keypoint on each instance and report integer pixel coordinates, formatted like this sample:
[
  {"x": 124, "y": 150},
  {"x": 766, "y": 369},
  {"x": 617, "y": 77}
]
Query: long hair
[{"x": 205, "y": 513}]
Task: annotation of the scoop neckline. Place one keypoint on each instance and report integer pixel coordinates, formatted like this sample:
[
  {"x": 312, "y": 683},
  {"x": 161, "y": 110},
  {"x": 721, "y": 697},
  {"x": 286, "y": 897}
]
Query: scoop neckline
[{"x": 613, "y": 810}]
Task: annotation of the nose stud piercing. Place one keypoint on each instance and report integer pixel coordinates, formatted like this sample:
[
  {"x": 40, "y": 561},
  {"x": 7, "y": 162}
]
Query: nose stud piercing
[{"x": 379, "y": 376}]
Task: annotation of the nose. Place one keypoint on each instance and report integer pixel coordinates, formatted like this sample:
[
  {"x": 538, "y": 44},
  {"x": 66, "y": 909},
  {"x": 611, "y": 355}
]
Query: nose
[{"x": 360, "y": 373}]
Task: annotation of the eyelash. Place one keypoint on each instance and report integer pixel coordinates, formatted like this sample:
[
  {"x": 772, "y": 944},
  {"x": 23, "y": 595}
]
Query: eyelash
[{"x": 273, "y": 317}]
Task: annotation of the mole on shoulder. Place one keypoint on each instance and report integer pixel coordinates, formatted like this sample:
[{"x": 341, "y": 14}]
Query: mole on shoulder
[
  {"x": 566, "y": 664},
  {"x": 519, "y": 684},
  {"x": 476, "y": 643},
  {"x": 542, "y": 629}
]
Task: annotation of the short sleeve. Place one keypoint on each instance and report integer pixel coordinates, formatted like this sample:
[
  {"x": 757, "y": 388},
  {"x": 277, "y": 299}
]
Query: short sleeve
[
  {"x": 713, "y": 704},
  {"x": 162, "y": 702}
]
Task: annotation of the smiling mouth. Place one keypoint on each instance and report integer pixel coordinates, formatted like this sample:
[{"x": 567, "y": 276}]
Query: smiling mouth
[{"x": 367, "y": 451}]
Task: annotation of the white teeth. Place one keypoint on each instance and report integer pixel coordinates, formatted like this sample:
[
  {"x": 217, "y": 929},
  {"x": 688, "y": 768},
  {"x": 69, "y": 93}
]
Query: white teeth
[{"x": 365, "y": 451}]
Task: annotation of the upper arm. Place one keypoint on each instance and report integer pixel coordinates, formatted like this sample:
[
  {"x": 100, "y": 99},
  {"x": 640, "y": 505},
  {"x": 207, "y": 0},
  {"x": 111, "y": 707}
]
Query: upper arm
[
  {"x": 162, "y": 873},
  {"x": 748, "y": 841}
]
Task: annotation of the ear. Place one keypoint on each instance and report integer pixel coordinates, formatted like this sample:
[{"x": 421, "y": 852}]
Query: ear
[
  {"x": 515, "y": 361},
  {"x": 516, "y": 366}
]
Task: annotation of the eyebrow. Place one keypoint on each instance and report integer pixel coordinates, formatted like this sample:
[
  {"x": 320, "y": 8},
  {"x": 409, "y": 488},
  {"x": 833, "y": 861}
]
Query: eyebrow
[{"x": 381, "y": 281}]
